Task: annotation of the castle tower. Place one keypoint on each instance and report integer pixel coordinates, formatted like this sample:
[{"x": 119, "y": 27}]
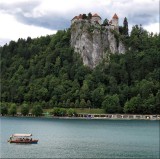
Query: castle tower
[
  {"x": 115, "y": 22},
  {"x": 96, "y": 18}
]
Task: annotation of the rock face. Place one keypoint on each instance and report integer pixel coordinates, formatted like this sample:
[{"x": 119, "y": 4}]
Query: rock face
[{"x": 93, "y": 41}]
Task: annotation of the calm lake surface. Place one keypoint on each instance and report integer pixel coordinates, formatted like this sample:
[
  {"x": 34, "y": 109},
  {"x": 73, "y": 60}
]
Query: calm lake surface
[{"x": 75, "y": 138}]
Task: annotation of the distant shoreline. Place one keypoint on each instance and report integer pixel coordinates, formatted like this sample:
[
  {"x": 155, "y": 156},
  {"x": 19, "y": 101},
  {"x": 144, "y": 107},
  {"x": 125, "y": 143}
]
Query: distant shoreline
[{"x": 98, "y": 117}]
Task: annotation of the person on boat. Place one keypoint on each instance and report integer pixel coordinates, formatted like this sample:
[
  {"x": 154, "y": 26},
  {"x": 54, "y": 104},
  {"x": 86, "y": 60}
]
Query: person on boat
[{"x": 10, "y": 138}]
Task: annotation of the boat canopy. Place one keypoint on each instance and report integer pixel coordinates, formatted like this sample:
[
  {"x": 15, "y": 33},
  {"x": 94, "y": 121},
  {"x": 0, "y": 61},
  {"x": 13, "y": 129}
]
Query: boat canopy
[{"x": 22, "y": 135}]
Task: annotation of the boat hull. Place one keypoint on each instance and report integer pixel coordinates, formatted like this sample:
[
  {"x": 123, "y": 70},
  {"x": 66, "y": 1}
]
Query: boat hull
[{"x": 24, "y": 142}]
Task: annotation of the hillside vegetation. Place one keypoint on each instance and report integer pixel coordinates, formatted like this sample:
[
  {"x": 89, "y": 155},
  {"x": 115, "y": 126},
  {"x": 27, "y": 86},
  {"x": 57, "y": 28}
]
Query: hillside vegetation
[{"x": 46, "y": 72}]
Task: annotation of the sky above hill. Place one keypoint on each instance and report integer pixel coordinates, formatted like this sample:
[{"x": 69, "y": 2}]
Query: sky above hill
[{"x": 35, "y": 18}]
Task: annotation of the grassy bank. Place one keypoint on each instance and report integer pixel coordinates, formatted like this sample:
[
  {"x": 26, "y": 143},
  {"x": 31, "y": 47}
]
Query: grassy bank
[{"x": 82, "y": 110}]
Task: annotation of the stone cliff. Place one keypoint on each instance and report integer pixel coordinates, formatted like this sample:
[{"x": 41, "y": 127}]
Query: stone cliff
[{"x": 93, "y": 42}]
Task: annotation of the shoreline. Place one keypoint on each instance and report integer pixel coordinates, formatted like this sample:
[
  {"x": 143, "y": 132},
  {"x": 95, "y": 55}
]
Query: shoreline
[{"x": 135, "y": 117}]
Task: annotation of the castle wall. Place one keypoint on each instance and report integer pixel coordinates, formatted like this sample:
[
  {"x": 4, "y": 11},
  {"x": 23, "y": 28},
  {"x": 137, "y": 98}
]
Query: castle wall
[
  {"x": 115, "y": 22},
  {"x": 96, "y": 19},
  {"x": 73, "y": 21}
]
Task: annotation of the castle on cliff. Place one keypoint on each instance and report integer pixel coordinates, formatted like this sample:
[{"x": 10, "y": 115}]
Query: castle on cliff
[{"x": 96, "y": 19}]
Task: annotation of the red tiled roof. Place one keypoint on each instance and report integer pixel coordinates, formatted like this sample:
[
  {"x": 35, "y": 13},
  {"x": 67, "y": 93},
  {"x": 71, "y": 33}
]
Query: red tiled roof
[
  {"x": 80, "y": 16},
  {"x": 74, "y": 18},
  {"x": 115, "y": 16},
  {"x": 96, "y": 15}
]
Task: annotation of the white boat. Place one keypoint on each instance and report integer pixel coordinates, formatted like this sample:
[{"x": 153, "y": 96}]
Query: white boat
[{"x": 22, "y": 138}]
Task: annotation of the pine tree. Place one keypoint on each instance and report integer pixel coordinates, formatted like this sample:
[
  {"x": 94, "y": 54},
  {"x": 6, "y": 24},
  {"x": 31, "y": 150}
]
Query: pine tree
[
  {"x": 89, "y": 16},
  {"x": 125, "y": 27}
]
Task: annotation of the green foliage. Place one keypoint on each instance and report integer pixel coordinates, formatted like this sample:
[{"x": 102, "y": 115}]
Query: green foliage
[
  {"x": 77, "y": 103},
  {"x": 89, "y": 16},
  {"x": 3, "y": 109},
  {"x": 139, "y": 38},
  {"x": 12, "y": 109},
  {"x": 46, "y": 72},
  {"x": 125, "y": 27},
  {"x": 84, "y": 16},
  {"x": 105, "y": 22},
  {"x": 117, "y": 36},
  {"x": 83, "y": 103},
  {"x": 134, "y": 105},
  {"x": 91, "y": 29},
  {"x": 71, "y": 112},
  {"x": 157, "y": 103},
  {"x": 88, "y": 104},
  {"x": 37, "y": 110},
  {"x": 97, "y": 96},
  {"x": 63, "y": 112},
  {"x": 25, "y": 109},
  {"x": 111, "y": 104},
  {"x": 59, "y": 112},
  {"x": 149, "y": 105}
]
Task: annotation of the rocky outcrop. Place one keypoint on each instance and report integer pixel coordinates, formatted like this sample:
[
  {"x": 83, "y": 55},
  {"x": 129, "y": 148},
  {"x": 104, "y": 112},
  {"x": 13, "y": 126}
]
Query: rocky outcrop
[{"x": 93, "y": 41}]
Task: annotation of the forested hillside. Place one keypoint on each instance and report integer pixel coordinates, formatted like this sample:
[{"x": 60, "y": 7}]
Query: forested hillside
[{"x": 45, "y": 71}]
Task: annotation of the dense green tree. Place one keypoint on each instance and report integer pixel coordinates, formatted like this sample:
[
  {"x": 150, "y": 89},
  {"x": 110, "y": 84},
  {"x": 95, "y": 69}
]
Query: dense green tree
[
  {"x": 84, "y": 93},
  {"x": 46, "y": 71},
  {"x": 134, "y": 105},
  {"x": 68, "y": 102},
  {"x": 89, "y": 16},
  {"x": 57, "y": 65},
  {"x": 25, "y": 109},
  {"x": 146, "y": 88},
  {"x": 77, "y": 103},
  {"x": 88, "y": 104},
  {"x": 56, "y": 112},
  {"x": 111, "y": 104},
  {"x": 105, "y": 22},
  {"x": 138, "y": 38},
  {"x": 125, "y": 27},
  {"x": 13, "y": 109},
  {"x": 3, "y": 109},
  {"x": 83, "y": 103},
  {"x": 71, "y": 112},
  {"x": 63, "y": 111},
  {"x": 37, "y": 110},
  {"x": 97, "y": 96},
  {"x": 84, "y": 16},
  {"x": 149, "y": 105},
  {"x": 157, "y": 103}
]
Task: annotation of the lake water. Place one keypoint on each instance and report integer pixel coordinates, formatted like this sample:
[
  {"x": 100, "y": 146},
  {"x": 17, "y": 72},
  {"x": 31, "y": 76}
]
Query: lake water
[{"x": 75, "y": 138}]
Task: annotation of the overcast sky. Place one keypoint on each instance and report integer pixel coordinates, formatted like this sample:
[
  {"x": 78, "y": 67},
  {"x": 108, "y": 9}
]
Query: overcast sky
[{"x": 34, "y": 18}]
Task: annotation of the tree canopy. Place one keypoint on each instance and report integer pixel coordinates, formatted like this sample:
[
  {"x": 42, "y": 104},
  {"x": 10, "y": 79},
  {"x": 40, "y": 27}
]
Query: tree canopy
[{"x": 45, "y": 71}]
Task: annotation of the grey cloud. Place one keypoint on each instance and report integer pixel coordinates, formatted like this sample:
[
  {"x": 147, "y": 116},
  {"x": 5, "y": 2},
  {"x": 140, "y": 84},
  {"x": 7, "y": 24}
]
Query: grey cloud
[
  {"x": 136, "y": 14},
  {"x": 25, "y": 6},
  {"x": 51, "y": 20},
  {"x": 143, "y": 14},
  {"x": 143, "y": 18}
]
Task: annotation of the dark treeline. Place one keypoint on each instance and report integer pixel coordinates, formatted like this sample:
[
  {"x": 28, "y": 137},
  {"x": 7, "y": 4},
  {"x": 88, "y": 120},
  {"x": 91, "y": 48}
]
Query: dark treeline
[{"x": 46, "y": 72}]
